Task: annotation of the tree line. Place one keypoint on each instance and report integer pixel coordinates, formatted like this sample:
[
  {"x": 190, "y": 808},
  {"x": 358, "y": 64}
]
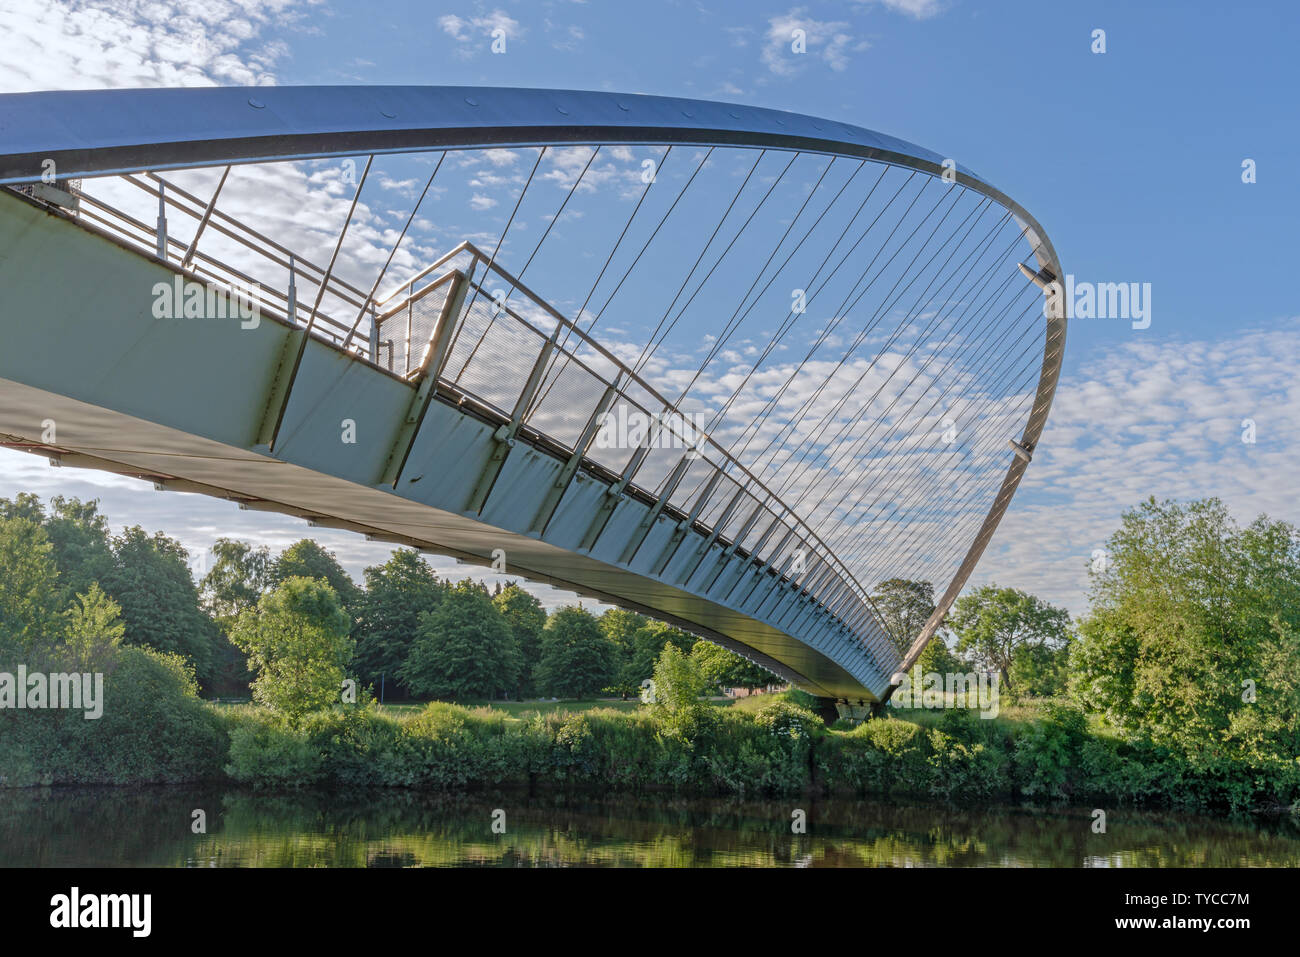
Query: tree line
[{"x": 295, "y": 622}]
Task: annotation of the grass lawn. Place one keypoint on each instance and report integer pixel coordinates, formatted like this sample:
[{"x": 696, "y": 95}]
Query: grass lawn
[
  {"x": 1022, "y": 711},
  {"x": 526, "y": 709}
]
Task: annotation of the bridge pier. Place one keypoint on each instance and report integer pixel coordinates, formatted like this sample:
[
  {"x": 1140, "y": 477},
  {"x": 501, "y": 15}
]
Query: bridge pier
[
  {"x": 827, "y": 711},
  {"x": 831, "y": 710},
  {"x": 855, "y": 712}
]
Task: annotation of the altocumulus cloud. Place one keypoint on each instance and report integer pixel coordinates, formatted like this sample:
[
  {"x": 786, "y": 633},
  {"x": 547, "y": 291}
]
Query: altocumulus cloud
[
  {"x": 54, "y": 44},
  {"x": 1153, "y": 417}
]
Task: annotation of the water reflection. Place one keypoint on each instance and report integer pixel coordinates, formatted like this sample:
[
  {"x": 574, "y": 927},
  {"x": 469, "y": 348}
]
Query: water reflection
[{"x": 153, "y": 827}]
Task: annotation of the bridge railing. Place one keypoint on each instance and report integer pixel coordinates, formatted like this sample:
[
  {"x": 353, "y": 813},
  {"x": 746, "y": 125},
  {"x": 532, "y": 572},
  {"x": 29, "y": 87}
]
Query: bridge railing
[{"x": 172, "y": 238}]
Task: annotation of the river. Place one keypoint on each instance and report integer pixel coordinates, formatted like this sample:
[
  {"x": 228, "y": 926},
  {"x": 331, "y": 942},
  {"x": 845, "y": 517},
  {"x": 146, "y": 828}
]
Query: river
[{"x": 159, "y": 827}]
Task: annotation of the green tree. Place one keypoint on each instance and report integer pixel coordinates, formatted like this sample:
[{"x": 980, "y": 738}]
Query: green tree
[
  {"x": 24, "y": 505},
  {"x": 1041, "y": 671},
  {"x": 577, "y": 659},
  {"x": 647, "y": 644},
  {"x": 1264, "y": 732},
  {"x": 81, "y": 541},
  {"x": 239, "y": 576},
  {"x": 1188, "y": 608},
  {"x": 464, "y": 648},
  {"x": 297, "y": 643},
  {"x": 93, "y": 630},
  {"x": 726, "y": 669},
  {"x": 991, "y": 623},
  {"x": 904, "y": 606},
  {"x": 306, "y": 559},
  {"x": 939, "y": 658},
  {"x": 620, "y": 626},
  {"x": 678, "y": 683},
  {"x": 526, "y": 618},
  {"x": 150, "y": 580},
  {"x": 29, "y": 612},
  {"x": 398, "y": 594}
]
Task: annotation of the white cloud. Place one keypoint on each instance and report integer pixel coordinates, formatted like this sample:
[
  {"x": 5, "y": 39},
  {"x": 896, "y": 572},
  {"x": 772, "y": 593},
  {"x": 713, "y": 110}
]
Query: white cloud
[
  {"x": 476, "y": 33},
  {"x": 1160, "y": 417},
  {"x": 570, "y": 37},
  {"x": 129, "y": 43},
  {"x": 829, "y": 41},
  {"x": 453, "y": 26},
  {"x": 919, "y": 9}
]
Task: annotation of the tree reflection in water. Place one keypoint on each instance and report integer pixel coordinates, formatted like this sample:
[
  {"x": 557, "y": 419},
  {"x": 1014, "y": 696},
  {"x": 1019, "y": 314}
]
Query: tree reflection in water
[{"x": 152, "y": 827}]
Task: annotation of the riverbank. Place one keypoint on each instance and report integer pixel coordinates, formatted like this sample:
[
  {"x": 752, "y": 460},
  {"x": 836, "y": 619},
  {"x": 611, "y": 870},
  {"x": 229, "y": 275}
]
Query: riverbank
[{"x": 1047, "y": 753}]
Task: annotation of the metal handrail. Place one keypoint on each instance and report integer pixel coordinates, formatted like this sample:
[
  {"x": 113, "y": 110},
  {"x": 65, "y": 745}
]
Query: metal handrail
[
  {"x": 415, "y": 297},
  {"x": 117, "y": 220},
  {"x": 441, "y": 260}
]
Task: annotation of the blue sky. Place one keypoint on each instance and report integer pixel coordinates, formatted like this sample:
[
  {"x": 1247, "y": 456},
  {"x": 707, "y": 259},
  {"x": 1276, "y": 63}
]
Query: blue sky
[{"x": 1131, "y": 159}]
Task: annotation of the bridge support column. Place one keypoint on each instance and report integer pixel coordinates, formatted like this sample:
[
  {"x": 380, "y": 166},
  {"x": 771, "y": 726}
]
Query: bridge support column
[
  {"x": 826, "y": 710},
  {"x": 854, "y": 712}
]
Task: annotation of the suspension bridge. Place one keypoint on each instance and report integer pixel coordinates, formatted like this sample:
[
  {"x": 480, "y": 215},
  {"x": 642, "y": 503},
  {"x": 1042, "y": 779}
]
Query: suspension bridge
[{"x": 729, "y": 367}]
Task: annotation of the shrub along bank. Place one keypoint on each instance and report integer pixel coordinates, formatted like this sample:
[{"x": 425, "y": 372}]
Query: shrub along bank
[{"x": 783, "y": 748}]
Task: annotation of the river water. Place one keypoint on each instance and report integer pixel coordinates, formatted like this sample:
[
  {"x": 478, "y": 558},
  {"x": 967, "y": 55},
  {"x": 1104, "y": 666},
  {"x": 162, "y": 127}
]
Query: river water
[{"x": 159, "y": 827}]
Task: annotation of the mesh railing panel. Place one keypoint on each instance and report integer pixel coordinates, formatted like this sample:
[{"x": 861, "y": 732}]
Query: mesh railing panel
[
  {"x": 405, "y": 336},
  {"x": 570, "y": 394},
  {"x": 655, "y": 468},
  {"x": 493, "y": 355}
]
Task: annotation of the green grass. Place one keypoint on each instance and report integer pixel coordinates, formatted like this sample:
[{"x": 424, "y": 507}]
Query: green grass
[
  {"x": 524, "y": 709},
  {"x": 527, "y": 709},
  {"x": 754, "y": 702},
  {"x": 1022, "y": 711},
  {"x": 1010, "y": 714}
]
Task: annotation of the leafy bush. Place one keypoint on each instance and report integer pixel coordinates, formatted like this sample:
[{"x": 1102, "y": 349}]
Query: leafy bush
[
  {"x": 1047, "y": 753},
  {"x": 274, "y": 754},
  {"x": 153, "y": 730},
  {"x": 789, "y": 722}
]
